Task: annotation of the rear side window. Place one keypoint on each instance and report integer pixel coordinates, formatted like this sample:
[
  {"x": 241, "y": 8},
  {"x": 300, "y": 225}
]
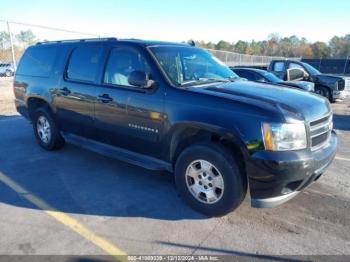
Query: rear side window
[
  {"x": 84, "y": 63},
  {"x": 279, "y": 67},
  {"x": 37, "y": 61}
]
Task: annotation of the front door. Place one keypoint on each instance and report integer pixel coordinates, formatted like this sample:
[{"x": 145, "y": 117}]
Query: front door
[{"x": 127, "y": 116}]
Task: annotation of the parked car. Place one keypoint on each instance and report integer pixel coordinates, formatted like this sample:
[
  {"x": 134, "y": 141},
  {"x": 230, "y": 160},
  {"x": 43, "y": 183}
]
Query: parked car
[
  {"x": 329, "y": 86},
  {"x": 264, "y": 76},
  {"x": 175, "y": 107},
  {"x": 6, "y": 69}
]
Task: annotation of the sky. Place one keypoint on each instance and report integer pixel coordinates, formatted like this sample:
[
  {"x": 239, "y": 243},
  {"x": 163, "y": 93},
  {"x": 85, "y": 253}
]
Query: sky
[{"x": 181, "y": 20}]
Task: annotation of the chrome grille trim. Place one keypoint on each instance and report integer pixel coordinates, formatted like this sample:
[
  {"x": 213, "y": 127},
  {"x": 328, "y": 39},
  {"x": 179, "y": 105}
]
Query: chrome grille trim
[
  {"x": 319, "y": 127},
  {"x": 318, "y": 134}
]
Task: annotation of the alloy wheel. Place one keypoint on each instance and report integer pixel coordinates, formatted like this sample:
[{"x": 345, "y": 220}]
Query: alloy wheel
[
  {"x": 204, "y": 181},
  {"x": 44, "y": 129}
]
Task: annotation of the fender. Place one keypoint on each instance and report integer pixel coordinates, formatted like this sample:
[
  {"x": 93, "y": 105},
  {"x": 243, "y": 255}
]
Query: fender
[
  {"x": 201, "y": 131},
  {"x": 44, "y": 96}
]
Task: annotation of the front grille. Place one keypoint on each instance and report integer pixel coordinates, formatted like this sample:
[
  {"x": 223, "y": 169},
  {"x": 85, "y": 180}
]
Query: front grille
[
  {"x": 319, "y": 139},
  {"x": 341, "y": 84},
  {"x": 320, "y": 131}
]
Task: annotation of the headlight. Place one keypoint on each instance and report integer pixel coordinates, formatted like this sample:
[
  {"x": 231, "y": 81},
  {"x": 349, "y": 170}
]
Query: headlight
[{"x": 282, "y": 137}]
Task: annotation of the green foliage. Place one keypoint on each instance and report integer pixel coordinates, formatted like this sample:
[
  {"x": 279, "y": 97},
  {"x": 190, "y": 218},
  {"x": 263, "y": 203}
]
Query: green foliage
[
  {"x": 223, "y": 45},
  {"x": 320, "y": 49},
  {"x": 4, "y": 40},
  {"x": 26, "y": 37},
  {"x": 241, "y": 47}
]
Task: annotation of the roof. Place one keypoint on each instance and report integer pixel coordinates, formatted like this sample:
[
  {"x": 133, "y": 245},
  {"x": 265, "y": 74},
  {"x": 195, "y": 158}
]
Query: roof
[{"x": 113, "y": 39}]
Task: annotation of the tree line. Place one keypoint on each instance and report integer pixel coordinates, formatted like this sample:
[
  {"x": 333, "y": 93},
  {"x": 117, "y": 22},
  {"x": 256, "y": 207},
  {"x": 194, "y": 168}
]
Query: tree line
[
  {"x": 20, "y": 41},
  {"x": 293, "y": 46},
  {"x": 274, "y": 45},
  {"x": 24, "y": 38}
]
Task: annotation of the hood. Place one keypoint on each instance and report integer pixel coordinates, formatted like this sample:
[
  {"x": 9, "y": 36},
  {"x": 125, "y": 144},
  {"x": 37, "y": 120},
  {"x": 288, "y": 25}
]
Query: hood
[
  {"x": 327, "y": 80},
  {"x": 294, "y": 104},
  {"x": 307, "y": 86}
]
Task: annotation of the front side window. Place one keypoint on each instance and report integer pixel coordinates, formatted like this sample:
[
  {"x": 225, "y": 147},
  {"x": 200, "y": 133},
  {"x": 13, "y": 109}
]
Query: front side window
[
  {"x": 258, "y": 77},
  {"x": 294, "y": 65},
  {"x": 84, "y": 63},
  {"x": 272, "y": 78},
  {"x": 247, "y": 75},
  {"x": 121, "y": 62},
  {"x": 188, "y": 65}
]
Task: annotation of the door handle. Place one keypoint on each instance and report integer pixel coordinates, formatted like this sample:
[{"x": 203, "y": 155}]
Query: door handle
[
  {"x": 64, "y": 91},
  {"x": 105, "y": 98}
]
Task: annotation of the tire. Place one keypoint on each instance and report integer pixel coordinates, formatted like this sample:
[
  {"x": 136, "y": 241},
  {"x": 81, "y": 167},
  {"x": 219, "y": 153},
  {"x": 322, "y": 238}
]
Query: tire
[
  {"x": 45, "y": 130},
  {"x": 324, "y": 91},
  {"x": 8, "y": 73},
  {"x": 213, "y": 201}
]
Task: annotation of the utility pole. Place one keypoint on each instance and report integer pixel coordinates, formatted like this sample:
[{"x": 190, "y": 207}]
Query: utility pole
[
  {"x": 12, "y": 46},
  {"x": 346, "y": 63}
]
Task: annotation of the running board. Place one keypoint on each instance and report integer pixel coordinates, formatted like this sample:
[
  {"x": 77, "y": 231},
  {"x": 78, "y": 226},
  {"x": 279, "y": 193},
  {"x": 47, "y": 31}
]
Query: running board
[{"x": 130, "y": 157}]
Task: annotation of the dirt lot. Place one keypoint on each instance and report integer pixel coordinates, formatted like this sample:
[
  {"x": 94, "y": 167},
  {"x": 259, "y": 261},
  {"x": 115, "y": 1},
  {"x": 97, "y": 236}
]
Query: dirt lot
[
  {"x": 7, "y": 107},
  {"x": 138, "y": 211}
]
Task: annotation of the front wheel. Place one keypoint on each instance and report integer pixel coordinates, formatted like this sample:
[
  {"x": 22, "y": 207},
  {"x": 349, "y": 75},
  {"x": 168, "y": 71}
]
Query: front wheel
[
  {"x": 209, "y": 180},
  {"x": 323, "y": 91}
]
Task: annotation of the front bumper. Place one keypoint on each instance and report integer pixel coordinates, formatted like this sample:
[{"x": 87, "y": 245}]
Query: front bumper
[
  {"x": 276, "y": 177},
  {"x": 340, "y": 94}
]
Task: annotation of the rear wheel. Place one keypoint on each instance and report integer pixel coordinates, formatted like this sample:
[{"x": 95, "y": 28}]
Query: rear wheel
[
  {"x": 323, "y": 91},
  {"x": 209, "y": 180},
  {"x": 45, "y": 130}
]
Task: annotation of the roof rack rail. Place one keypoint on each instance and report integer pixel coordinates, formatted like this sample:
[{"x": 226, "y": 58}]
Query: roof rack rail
[{"x": 78, "y": 40}]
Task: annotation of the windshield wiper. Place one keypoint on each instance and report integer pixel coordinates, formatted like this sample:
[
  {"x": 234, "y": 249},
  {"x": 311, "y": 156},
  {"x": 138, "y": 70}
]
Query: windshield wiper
[{"x": 203, "y": 80}]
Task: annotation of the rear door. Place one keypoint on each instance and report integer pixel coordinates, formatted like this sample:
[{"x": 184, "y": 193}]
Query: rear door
[
  {"x": 128, "y": 116},
  {"x": 75, "y": 96}
]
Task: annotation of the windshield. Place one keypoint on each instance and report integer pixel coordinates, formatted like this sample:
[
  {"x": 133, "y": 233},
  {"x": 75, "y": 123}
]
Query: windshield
[
  {"x": 311, "y": 70},
  {"x": 272, "y": 78},
  {"x": 191, "y": 66}
]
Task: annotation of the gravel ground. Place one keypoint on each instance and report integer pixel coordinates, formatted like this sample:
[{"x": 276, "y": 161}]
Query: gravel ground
[
  {"x": 140, "y": 212},
  {"x": 7, "y": 106}
]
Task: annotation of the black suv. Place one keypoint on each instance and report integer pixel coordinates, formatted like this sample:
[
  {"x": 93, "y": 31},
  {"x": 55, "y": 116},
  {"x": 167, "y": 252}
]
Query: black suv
[
  {"x": 329, "y": 86},
  {"x": 175, "y": 107}
]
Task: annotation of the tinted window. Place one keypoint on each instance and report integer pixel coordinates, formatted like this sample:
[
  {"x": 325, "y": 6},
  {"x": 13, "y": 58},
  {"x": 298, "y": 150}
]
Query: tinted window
[
  {"x": 121, "y": 62},
  {"x": 272, "y": 78},
  {"x": 37, "y": 61},
  {"x": 279, "y": 67},
  {"x": 83, "y": 64},
  {"x": 247, "y": 75},
  {"x": 258, "y": 77},
  {"x": 294, "y": 65}
]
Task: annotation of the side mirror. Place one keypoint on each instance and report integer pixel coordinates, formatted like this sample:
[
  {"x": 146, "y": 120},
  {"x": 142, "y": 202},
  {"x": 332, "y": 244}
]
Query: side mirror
[
  {"x": 140, "y": 79},
  {"x": 296, "y": 74}
]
